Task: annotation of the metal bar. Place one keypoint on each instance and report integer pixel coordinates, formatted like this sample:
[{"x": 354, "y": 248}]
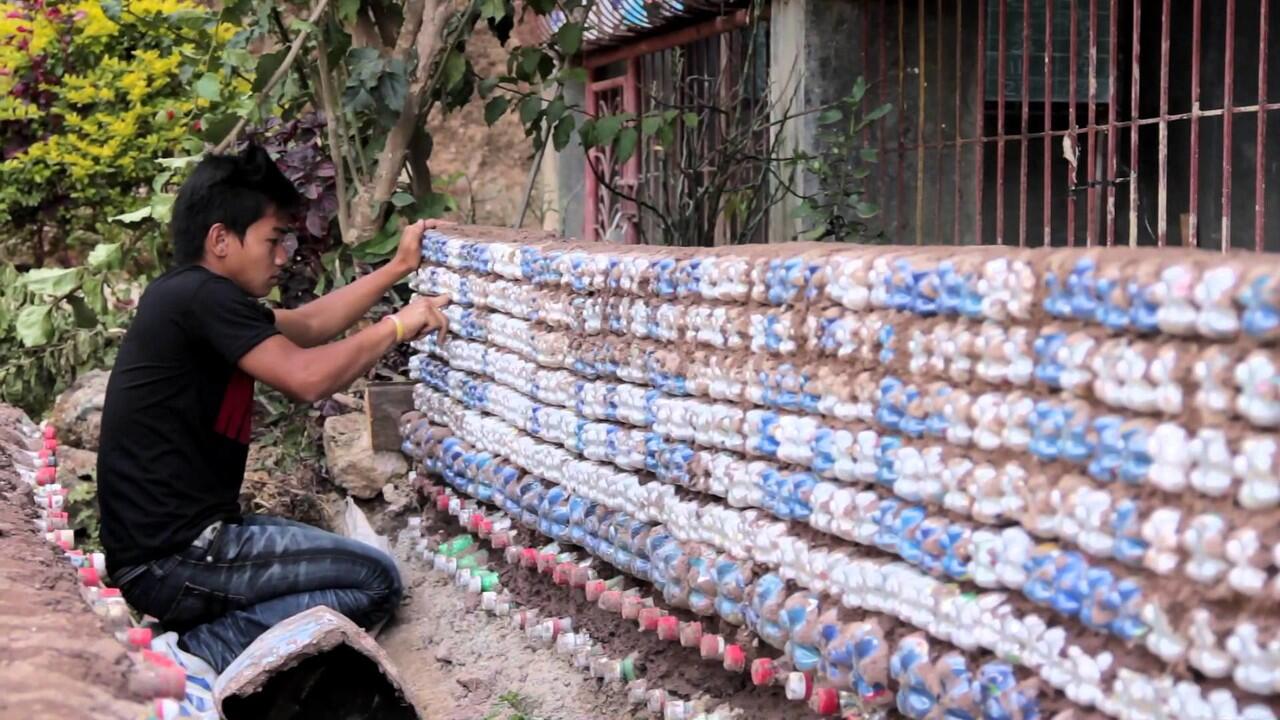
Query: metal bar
[
  {"x": 882, "y": 70},
  {"x": 607, "y": 84},
  {"x": 590, "y": 184},
  {"x": 1228, "y": 93},
  {"x": 1162, "y": 194},
  {"x": 902, "y": 106},
  {"x": 1260, "y": 182},
  {"x": 1026, "y": 121},
  {"x": 1113, "y": 108},
  {"x": 631, "y": 169},
  {"x": 1000, "y": 89},
  {"x": 684, "y": 36},
  {"x": 1072, "y": 162},
  {"x": 955, "y": 230},
  {"x": 941, "y": 124},
  {"x": 981, "y": 112},
  {"x": 1120, "y": 124},
  {"x": 1091, "y": 194},
  {"x": 1133, "y": 132},
  {"x": 920, "y": 115},
  {"x": 1048, "y": 124},
  {"x": 1193, "y": 202}
]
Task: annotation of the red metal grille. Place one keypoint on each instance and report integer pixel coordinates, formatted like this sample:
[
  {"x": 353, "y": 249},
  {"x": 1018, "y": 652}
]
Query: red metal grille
[
  {"x": 702, "y": 69},
  {"x": 608, "y": 216},
  {"x": 1073, "y": 122}
]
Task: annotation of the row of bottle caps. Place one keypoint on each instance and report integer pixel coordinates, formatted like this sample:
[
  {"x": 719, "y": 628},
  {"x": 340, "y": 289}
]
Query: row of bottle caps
[
  {"x": 857, "y": 666},
  {"x": 1052, "y": 577},
  {"x": 911, "y": 597},
  {"x": 155, "y": 675},
  {"x": 1199, "y": 450},
  {"x": 567, "y": 570},
  {"x": 1137, "y": 291},
  {"x": 1109, "y": 524}
]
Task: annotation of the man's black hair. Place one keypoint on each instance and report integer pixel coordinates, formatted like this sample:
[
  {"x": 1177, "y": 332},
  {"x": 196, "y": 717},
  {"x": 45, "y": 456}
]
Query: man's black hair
[{"x": 235, "y": 190}]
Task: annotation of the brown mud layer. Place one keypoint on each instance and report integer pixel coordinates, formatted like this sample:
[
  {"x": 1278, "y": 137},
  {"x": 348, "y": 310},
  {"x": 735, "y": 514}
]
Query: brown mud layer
[{"x": 56, "y": 660}]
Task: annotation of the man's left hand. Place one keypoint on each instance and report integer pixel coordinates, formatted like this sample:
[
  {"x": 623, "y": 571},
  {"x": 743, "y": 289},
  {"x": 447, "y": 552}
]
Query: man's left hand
[{"x": 409, "y": 254}]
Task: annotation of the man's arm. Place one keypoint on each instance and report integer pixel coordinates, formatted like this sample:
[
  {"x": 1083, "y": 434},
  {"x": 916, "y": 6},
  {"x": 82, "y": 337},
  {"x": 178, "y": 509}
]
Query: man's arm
[
  {"x": 327, "y": 317},
  {"x": 311, "y": 374}
]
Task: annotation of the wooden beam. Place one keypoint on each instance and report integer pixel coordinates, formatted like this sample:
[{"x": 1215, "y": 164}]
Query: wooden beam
[{"x": 384, "y": 403}]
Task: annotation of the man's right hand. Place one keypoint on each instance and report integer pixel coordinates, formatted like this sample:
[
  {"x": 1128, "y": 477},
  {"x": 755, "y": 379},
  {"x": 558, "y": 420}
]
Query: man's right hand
[{"x": 422, "y": 315}]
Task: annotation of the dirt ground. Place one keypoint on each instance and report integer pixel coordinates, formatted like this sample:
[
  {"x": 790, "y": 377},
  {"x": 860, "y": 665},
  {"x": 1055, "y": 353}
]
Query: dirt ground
[
  {"x": 459, "y": 663},
  {"x": 56, "y": 661}
]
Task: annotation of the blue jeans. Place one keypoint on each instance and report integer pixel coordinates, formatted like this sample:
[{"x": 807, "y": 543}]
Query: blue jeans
[{"x": 253, "y": 575}]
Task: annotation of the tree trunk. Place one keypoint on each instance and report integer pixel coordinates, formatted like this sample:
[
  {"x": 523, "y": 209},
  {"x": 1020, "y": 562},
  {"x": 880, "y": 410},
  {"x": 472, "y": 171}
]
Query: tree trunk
[{"x": 419, "y": 156}]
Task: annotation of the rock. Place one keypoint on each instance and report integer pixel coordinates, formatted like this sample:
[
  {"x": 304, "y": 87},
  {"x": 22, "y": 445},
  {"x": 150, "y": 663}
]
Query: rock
[
  {"x": 76, "y": 465},
  {"x": 397, "y": 499},
  {"x": 353, "y": 463},
  {"x": 78, "y": 411}
]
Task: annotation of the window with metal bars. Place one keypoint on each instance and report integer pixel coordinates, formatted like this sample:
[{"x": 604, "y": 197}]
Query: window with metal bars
[{"x": 1074, "y": 122}]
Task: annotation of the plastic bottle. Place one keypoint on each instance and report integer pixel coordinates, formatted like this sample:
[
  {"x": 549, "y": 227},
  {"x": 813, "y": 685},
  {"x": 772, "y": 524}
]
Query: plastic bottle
[
  {"x": 52, "y": 520},
  {"x": 113, "y": 610},
  {"x": 156, "y": 676},
  {"x": 90, "y": 585}
]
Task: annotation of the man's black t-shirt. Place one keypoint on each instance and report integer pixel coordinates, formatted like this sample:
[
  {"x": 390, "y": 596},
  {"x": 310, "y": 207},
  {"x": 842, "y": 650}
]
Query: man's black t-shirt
[{"x": 177, "y": 415}]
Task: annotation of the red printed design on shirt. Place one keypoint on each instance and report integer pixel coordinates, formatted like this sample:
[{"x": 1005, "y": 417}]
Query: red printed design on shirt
[{"x": 235, "y": 419}]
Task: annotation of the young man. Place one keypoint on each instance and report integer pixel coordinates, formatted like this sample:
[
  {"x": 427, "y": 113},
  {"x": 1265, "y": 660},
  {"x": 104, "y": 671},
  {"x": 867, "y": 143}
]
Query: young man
[{"x": 178, "y": 412}]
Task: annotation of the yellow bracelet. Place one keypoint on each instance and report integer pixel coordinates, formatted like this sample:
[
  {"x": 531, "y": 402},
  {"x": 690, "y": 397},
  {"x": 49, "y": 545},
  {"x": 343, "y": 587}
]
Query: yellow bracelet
[{"x": 399, "y": 328}]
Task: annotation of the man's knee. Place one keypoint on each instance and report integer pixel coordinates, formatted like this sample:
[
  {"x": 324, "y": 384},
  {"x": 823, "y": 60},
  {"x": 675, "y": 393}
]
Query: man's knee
[{"x": 384, "y": 582}]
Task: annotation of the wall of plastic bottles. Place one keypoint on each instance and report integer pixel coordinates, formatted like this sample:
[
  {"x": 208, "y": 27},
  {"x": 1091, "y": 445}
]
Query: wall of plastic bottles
[{"x": 961, "y": 483}]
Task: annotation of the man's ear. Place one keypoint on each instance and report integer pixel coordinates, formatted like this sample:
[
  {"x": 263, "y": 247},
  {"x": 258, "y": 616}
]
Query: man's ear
[{"x": 216, "y": 241}]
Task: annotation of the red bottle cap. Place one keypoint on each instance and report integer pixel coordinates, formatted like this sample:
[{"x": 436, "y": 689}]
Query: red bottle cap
[
  {"x": 610, "y": 600},
  {"x": 158, "y": 659},
  {"x": 594, "y": 589},
  {"x": 690, "y": 634},
  {"x": 649, "y": 618},
  {"x": 579, "y": 576},
  {"x": 668, "y": 628},
  {"x": 500, "y": 540},
  {"x": 89, "y": 576},
  {"x": 442, "y": 502},
  {"x": 529, "y": 557},
  {"x": 735, "y": 660},
  {"x": 825, "y": 701},
  {"x": 46, "y": 476},
  {"x": 50, "y": 432},
  {"x": 710, "y": 647},
  {"x": 109, "y": 592},
  {"x": 546, "y": 561},
  {"x": 139, "y": 637},
  {"x": 762, "y": 671},
  {"x": 562, "y": 573},
  {"x": 50, "y": 444},
  {"x": 631, "y": 606}
]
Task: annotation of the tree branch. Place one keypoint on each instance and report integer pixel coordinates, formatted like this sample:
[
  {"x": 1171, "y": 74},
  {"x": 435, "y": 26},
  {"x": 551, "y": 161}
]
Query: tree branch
[
  {"x": 284, "y": 37},
  {"x": 528, "y": 184},
  {"x": 332, "y": 115},
  {"x": 276, "y": 77}
]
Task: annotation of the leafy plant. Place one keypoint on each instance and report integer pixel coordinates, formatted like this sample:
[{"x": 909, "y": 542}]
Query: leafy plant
[
  {"x": 510, "y": 705},
  {"x": 90, "y": 95},
  {"x": 83, "y": 515},
  {"x": 839, "y": 208},
  {"x": 715, "y": 163}
]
